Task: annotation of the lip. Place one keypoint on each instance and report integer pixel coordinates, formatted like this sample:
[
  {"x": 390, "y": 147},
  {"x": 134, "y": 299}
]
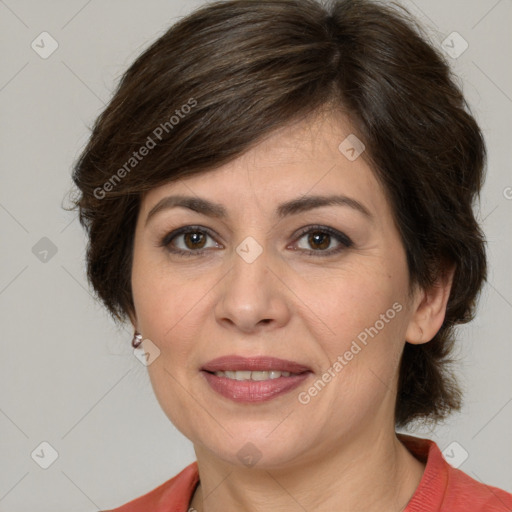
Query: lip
[
  {"x": 249, "y": 391},
  {"x": 260, "y": 363}
]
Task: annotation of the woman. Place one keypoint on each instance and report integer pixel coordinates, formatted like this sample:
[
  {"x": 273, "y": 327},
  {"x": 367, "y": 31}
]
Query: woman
[{"x": 279, "y": 199}]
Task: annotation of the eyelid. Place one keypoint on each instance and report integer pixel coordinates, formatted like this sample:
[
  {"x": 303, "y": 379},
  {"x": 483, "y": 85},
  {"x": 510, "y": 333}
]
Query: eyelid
[
  {"x": 339, "y": 235},
  {"x": 169, "y": 236}
]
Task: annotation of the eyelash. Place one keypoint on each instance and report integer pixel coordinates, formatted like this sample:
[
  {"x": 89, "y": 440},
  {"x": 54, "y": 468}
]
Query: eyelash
[{"x": 345, "y": 241}]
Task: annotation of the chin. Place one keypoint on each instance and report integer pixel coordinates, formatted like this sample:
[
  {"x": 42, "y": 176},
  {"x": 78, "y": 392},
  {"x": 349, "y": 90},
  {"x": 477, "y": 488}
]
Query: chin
[{"x": 259, "y": 450}]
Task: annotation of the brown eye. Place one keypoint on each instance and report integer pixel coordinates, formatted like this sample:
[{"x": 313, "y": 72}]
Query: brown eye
[
  {"x": 318, "y": 240},
  {"x": 194, "y": 240},
  {"x": 188, "y": 241}
]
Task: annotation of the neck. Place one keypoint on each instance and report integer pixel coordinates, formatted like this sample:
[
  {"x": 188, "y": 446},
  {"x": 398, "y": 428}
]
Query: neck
[{"x": 374, "y": 473}]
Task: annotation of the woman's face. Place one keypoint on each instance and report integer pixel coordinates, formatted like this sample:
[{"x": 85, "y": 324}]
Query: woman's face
[{"x": 275, "y": 276}]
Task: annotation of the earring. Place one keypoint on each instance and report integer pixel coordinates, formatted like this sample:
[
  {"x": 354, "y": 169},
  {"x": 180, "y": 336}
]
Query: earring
[{"x": 137, "y": 339}]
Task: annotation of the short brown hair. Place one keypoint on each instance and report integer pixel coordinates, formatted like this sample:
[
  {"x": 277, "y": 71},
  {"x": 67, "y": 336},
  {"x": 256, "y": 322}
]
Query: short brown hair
[{"x": 226, "y": 76}]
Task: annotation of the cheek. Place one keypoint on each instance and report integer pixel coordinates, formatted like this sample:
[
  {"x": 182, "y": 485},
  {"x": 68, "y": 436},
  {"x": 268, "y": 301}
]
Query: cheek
[
  {"x": 167, "y": 306},
  {"x": 163, "y": 297},
  {"x": 171, "y": 308},
  {"x": 348, "y": 302},
  {"x": 359, "y": 327}
]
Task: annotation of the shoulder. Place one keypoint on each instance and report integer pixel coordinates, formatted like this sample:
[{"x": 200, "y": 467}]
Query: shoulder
[
  {"x": 465, "y": 493},
  {"x": 444, "y": 488},
  {"x": 174, "y": 494}
]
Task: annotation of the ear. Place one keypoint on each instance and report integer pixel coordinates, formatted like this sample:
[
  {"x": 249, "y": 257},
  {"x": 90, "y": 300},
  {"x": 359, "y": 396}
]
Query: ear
[
  {"x": 133, "y": 319},
  {"x": 429, "y": 308}
]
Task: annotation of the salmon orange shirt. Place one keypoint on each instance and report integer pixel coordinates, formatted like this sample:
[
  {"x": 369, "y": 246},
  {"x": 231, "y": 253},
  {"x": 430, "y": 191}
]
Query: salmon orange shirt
[{"x": 441, "y": 489}]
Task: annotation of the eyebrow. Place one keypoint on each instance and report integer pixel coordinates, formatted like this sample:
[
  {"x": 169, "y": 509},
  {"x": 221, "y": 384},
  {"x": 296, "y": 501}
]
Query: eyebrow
[{"x": 292, "y": 207}]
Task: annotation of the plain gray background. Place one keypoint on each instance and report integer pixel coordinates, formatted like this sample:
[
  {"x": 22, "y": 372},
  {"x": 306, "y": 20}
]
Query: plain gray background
[{"x": 68, "y": 376}]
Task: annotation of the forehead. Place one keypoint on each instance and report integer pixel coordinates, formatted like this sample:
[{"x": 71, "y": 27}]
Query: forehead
[{"x": 303, "y": 158}]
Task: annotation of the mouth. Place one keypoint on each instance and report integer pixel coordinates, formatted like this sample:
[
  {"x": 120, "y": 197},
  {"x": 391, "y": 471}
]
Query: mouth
[
  {"x": 254, "y": 379},
  {"x": 256, "y": 364},
  {"x": 251, "y": 375}
]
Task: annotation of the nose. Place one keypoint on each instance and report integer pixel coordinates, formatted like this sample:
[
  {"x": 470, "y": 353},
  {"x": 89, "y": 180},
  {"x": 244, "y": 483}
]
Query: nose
[{"x": 253, "y": 294}]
